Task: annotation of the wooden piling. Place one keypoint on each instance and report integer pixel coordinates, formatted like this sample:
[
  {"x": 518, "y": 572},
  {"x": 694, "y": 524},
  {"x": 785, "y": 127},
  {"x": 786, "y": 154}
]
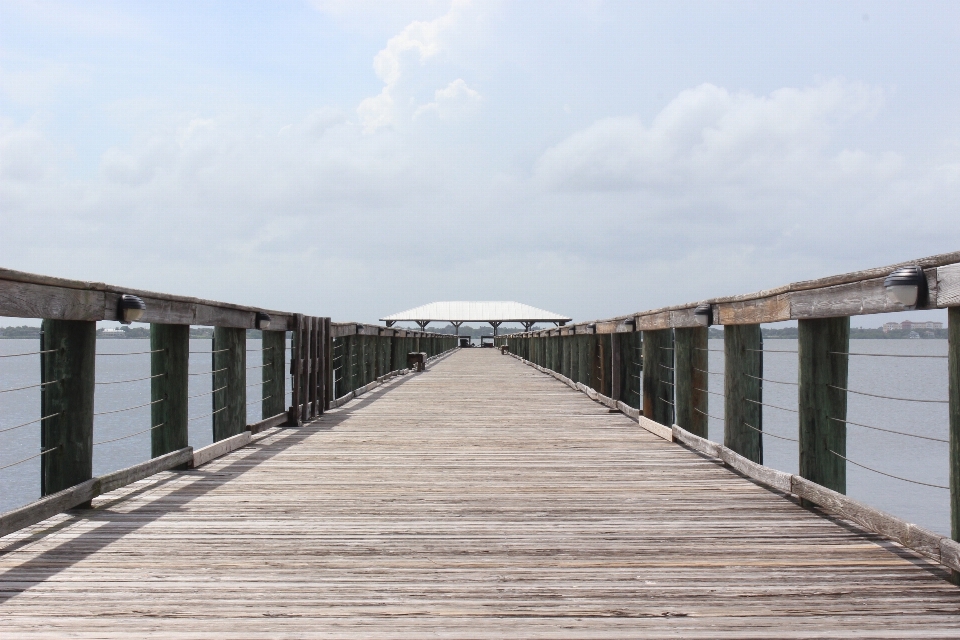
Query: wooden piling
[
  {"x": 616, "y": 366},
  {"x": 68, "y": 433},
  {"x": 822, "y": 346},
  {"x": 170, "y": 362},
  {"x": 743, "y": 366},
  {"x": 658, "y": 375},
  {"x": 691, "y": 361},
  {"x": 274, "y": 388},
  {"x": 230, "y": 367},
  {"x": 296, "y": 369},
  {"x": 953, "y": 360}
]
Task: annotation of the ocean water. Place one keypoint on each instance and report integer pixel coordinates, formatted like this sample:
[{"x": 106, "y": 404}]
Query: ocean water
[
  {"x": 121, "y": 436},
  {"x": 908, "y": 457}
]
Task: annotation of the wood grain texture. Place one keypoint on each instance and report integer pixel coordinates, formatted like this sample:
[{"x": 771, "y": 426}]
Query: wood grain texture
[
  {"x": 690, "y": 362},
  {"x": 229, "y": 362},
  {"x": 170, "y": 362},
  {"x": 743, "y": 390},
  {"x": 68, "y": 431},
  {"x": 948, "y": 286},
  {"x": 953, "y": 364},
  {"x": 480, "y": 499},
  {"x": 823, "y": 371}
]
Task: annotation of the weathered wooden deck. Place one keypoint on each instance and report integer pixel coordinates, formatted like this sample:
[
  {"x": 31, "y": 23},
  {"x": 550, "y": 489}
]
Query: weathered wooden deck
[{"x": 479, "y": 499}]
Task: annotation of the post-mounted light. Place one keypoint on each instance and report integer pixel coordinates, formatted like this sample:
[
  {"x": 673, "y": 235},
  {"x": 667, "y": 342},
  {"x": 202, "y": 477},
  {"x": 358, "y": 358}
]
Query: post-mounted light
[
  {"x": 908, "y": 286},
  {"x": 130, "y": 309},
  {"x": 263, "y": 321},
  {"x": 704, "y": 315}
]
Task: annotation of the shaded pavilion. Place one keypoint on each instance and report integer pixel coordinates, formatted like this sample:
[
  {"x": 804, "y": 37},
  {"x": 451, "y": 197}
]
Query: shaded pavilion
[{"x": 492, "y": 313}]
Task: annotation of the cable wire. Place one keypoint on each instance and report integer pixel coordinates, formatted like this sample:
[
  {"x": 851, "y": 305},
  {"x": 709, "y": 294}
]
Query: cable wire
[
  {"x": 207, "y": 393},
  {"x": 32, "y": 386},
  {"x": 705, "y": 391},
  {"x": 665, "y": 367},
  {"x": 52, "y": 415},
  {"x": 902, "y": 433},
  {"x": 139, "y": 406},
  {"x": 13, "y": 464},
  {"x": 889, "y": 475},
  {"x": 707, "y": 414},
  {"x": 203, "y": 373},
  {"x": 159, "y": 375},
  {"x": 882, "y": 355},
  {"x": 131, "y": 353},
  {"x": 770, "y": 351},
  {"x": 767, "y": 433},
  {"x": 130, "y": 435},
  {"x": 772, "y": 406},
  {"x": 217, "y": 351},
  {"x": 667, "y": 401},
  {"x": 715, "y": 350},
  {"x": 796, "y": 384},
  {"x": 207, "y": 415},
  {"x": 257, "y": 383},
  {"x": 713, "y": 373},
  {"x": 29, "y": 353},
  {"x": 873, "y": 395}
]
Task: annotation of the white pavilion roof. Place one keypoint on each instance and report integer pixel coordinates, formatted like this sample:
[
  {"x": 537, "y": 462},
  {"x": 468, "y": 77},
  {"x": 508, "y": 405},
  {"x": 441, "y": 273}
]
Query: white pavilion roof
[{"x": 476, "y": 312}]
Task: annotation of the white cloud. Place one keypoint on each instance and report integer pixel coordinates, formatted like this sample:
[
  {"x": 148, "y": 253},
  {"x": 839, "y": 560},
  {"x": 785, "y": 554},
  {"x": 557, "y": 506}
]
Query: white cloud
[
  {"x": 708, "y": 134},
  {"x": 454, "y": 100},
  {"x": 418, "y": 42}
]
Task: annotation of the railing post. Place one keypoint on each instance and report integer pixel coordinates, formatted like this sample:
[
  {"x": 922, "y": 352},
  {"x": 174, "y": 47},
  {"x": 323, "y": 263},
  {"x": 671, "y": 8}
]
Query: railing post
[
  {"x": 616, "y": 366},
  {"x": 274, "y": 390},
  {"x": 68, "y": 433},
  {"x": 326, "y": 356},
  {"x": 822, "y": 346},
  {"x": 296, "y": 369},
  {"x": 953, "y": 364},
  {"x": 743, "y": 368},
  {"x": 690, "y": 362},
  {"x": 170, "y": 361},
  {"x": 308, "y": 375},
  {"x": 230, "y": 364},
  {"x": 658, "y": 375}
]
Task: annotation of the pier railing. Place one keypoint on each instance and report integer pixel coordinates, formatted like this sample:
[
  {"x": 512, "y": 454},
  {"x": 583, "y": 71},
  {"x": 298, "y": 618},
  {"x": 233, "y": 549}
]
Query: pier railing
[
  {"x": 327, "y": 363},
  {"x": 655, "y": 365}
]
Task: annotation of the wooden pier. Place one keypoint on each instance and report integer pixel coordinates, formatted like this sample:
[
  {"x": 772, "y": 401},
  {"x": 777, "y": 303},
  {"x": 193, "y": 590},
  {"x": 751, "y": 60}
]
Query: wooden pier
[{"x": 482, "y": 499}]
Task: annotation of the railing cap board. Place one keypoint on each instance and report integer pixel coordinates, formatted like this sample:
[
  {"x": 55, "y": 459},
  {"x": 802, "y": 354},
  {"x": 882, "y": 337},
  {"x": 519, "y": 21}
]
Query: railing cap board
[
  {"x": 30, "y": 295},
  {"x": 854, "y": 293}
]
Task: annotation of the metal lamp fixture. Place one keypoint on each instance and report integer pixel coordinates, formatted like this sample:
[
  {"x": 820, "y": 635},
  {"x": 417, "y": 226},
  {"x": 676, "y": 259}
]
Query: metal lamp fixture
[
  {"x": 263, "y": 321},
  {"x": 907, "y": 286},
  {"x": 704, "y": 315},
  {"x": 130, "y": 309}
]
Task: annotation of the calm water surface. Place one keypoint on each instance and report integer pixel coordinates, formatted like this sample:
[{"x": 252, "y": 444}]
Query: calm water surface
[{"x": 921, "y": 460}]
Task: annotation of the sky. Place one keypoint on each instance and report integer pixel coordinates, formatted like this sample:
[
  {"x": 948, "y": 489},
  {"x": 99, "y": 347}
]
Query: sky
[{"x": 354, "y": 159}]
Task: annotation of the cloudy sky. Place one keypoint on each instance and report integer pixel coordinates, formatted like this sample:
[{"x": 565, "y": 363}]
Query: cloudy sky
[{"x": 354, "y": 159}]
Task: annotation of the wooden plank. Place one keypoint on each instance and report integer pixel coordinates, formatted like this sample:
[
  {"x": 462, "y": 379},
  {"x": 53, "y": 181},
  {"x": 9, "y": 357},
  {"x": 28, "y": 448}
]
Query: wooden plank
[
  {"x": 123, "y": 477},
  {"x": 948, "y": 286},
  {"x": 823, "y": 367},
  {"x": 24, "y": 300},
  {"x": 49, "y": 506},
  {"x": 220, "y": 448},
  {"x": 170, "y": 363},
  {"x": 481, "y": 499},
  {"x": 657, "y": 429},
  {"x": 773, "y": 309},
  {"x": 770, "y": 477},
  {"x": 268, "y": 423},
  {"x": 68, "y": 431}
]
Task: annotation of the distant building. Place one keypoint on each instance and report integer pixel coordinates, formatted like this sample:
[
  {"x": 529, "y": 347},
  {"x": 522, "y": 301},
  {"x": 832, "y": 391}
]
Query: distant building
[{"x": 909, "y": 325}]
